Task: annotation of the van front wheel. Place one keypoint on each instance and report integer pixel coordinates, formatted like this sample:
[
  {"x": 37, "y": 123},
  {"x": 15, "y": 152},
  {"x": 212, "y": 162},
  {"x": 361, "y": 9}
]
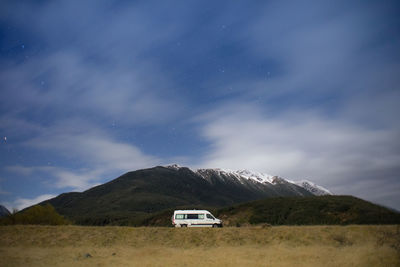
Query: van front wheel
[{"x": 215, "y": 225}]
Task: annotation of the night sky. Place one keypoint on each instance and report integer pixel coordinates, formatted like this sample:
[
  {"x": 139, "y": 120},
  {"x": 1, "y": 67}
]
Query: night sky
[{"x": 300, "y": 89}]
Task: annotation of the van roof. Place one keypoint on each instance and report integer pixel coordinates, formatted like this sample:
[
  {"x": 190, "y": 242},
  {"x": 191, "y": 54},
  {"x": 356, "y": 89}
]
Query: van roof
[{"x": 191, "y": 211}]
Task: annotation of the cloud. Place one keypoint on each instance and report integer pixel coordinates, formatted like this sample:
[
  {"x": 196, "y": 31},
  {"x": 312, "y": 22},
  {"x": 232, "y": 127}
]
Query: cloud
[
  {"x": 344, "y": 157},
  {"x": 58, "y": 177},
  {"x": 68, "y": 85},
  {"x": 318, "y": 54},
  {"x": 21, "y": 170},
  {"x": 85, "y": 155},
  {"x": 21, "y": 203},
  {"x": 85, "y": 71},
  {"x": 90, "y": 145}
]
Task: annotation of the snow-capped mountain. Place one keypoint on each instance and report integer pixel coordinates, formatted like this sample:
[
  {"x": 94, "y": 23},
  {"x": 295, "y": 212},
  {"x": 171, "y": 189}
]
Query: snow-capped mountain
[
  {"x": 159, "y": 188},
  {"x": 244, "y": 176}
]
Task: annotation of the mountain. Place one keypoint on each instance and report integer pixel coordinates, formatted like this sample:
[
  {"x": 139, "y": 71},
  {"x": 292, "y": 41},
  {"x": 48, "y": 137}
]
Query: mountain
[
  {"x": 133, "y": 196},
  {"x": 4, "y": 211}
]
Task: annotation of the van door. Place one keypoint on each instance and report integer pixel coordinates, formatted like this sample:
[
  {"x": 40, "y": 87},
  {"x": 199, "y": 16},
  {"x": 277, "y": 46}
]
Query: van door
[{"x": 210, "y": 219}]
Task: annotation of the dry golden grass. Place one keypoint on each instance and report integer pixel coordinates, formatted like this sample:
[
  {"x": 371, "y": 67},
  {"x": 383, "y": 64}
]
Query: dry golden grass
[{"x": 247, "y": 246}]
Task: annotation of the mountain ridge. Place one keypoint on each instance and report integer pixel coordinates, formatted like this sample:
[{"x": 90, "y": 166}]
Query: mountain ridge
[{"x": 259, "y": 178}]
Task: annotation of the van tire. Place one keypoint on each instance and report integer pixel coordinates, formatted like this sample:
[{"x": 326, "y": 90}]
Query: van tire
[
  {"x": 183, "y": 225},
  {"x": 215, "y": 225}
]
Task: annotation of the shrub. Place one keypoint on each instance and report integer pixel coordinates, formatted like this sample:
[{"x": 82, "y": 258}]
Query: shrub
[{"x": 44, "y": 215}]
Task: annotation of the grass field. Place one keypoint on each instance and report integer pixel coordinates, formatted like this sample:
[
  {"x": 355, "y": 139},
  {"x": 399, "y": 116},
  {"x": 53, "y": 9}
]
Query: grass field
[{"x": 230, "y": 246}]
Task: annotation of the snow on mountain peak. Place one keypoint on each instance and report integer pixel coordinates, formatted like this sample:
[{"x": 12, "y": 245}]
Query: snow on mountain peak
[
  {"x": 244, "y": 174},
  {"x": 312, "y": 187},
  {"x": 259, "y": 177},
  {"x": 173, "y": 167},
  {"x": 255, "y": 176}
]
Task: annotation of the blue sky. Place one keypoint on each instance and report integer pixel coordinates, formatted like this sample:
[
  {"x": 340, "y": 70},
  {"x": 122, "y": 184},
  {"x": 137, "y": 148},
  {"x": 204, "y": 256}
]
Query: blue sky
[{"x": 92, "y": 89}]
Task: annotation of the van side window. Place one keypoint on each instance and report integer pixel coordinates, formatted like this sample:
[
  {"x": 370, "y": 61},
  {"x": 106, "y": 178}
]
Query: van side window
[
  {"x": 179, "y": 216},
  {"x": 201, "y": 216},
  {"x": 193, "y": 216},
  {"x": 209, "y": 216}
]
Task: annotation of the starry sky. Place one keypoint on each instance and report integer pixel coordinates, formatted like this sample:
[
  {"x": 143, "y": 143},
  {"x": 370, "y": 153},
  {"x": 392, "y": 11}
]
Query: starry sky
[{"x": 300, "y": 89}]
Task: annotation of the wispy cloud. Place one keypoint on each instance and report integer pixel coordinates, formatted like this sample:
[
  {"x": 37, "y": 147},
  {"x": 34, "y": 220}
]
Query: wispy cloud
[
  {"x": 58, "y": 177},
  {"x": 21, "y": 170},
  {"x": 90, "y": 144},
  {"x": 95, "y": 155},
  {"x": 21, "y": 203},
  {"x": 321, "y": 55},
  {"x": 345, "y": 158},
  {"x": 118, "y": 94},
  {"x": 105, "y": 74}
]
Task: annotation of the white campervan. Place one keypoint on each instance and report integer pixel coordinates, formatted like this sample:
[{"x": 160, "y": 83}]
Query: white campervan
[{"x": 195, "y": 218}]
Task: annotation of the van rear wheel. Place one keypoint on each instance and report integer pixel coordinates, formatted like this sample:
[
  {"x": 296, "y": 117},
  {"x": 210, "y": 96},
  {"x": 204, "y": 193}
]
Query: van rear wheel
[{"x": 183, "y": 225}]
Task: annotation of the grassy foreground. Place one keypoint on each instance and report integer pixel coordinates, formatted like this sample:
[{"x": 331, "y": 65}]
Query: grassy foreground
[{"x": 246, "y": 246}]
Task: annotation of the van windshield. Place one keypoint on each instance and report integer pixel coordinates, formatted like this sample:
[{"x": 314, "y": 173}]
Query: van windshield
[{"x": 209, "y": 216}]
